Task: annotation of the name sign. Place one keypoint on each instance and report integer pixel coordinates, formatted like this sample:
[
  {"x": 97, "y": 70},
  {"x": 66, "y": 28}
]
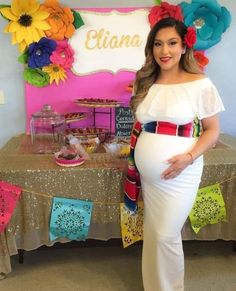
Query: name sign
[
  {"x": 112, "y": 41},
  {"x": 123, "y": 121}
]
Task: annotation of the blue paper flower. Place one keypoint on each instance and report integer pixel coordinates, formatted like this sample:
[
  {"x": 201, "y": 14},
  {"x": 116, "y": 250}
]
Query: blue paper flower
[
  {"x": 40, "y": 52},
  {"x": 210, "y": 20}
]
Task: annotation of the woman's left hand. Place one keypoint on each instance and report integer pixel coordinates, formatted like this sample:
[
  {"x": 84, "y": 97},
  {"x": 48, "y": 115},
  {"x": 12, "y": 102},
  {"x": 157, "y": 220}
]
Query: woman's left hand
[{"x": 177, "y": 164}]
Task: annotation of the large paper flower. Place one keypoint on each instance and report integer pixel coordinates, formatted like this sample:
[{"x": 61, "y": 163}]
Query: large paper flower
[
  {"x": 40, "y": 52},
  {"x": 27, "y": 22},
  {"x": 209, "y": 19},
  {"x": 63, "y": 55},
  {"x": 36, "y": 77},
  {"x": 164, "y": 10},
  {"x": 55, "y": 72},
  {"x": 60, "y": 19}
]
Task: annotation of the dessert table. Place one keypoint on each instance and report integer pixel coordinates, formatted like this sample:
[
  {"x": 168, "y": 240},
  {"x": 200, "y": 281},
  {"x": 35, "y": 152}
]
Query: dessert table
[{"x": 100, "y": 179}]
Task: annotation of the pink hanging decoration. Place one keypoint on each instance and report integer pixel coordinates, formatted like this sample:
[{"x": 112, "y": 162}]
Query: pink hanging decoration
[{"x": 9, "y": 195}]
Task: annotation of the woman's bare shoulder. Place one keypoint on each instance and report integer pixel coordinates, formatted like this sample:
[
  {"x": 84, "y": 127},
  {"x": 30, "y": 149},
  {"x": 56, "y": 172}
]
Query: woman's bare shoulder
[{"x": 194, "y": 77}]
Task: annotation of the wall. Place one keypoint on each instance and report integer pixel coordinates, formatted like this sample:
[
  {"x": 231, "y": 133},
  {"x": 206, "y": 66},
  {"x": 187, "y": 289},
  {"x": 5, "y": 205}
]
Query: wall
[{"x": 221, "y": 70}]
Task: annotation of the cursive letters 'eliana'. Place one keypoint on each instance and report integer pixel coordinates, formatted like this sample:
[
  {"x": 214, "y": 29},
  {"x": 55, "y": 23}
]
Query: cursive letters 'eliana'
[{"x": 102, "y": 39}]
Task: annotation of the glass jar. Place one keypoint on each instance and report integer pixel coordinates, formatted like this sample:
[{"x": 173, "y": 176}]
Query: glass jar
[{"x": 47, "y": 130}]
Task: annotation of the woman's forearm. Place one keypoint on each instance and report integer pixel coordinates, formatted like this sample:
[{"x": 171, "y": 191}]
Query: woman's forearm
[{"x": 208, "y": 138}]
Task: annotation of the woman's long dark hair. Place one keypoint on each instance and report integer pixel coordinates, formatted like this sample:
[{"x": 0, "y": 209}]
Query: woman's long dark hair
[{"x": 148, "y": 74}]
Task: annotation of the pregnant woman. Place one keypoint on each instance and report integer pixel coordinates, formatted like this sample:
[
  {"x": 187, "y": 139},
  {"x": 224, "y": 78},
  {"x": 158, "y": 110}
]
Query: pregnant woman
[{"x": 175, "y": 107}]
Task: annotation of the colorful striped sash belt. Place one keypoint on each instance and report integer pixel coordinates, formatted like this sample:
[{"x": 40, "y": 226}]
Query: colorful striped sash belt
[{"x": 162, "y": 127}]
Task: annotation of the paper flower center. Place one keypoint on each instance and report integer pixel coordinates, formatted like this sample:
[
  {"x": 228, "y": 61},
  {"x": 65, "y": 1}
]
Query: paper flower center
[
  {"x": 199, "y": 23},
  {"x": 63, "y": 55},
  {"x": 56, "y": 17},
  {"x": 25, "y": 20},
  {"x": 55, "y": 69},
  {"x": 38, "y": 52}
]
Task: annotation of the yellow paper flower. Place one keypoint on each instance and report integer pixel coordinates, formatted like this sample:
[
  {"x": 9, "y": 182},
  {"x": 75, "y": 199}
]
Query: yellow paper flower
[
  {"x": 55, "y": 72},
  {"x": 27, "y": 22}
]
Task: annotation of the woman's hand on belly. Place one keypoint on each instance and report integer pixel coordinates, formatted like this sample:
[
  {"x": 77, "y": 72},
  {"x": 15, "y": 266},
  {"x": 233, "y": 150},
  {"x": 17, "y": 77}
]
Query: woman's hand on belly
[{"x": 177, "y": 164}]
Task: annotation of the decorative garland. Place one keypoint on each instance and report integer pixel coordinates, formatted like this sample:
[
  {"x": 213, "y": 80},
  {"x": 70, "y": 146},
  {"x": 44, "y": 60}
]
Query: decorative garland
[
  {"x": 67, "y": 214},
  {"x": 42, "y": 32}
]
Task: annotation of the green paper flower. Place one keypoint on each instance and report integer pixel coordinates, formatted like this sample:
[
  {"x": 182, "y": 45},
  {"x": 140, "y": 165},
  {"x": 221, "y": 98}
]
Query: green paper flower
[{"x": 36, "y": 77}]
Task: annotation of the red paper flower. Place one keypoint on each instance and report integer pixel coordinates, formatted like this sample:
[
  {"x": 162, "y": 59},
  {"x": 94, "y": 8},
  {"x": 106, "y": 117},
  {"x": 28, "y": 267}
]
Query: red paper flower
[
  {"x": 201, "y": 59},
  {"x": 190, "y": 37},
  {"x": 164, "y": 10}
]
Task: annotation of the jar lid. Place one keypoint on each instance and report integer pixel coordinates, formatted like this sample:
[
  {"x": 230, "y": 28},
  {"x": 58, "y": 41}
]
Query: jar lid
[{"x": 47, "y": 112}]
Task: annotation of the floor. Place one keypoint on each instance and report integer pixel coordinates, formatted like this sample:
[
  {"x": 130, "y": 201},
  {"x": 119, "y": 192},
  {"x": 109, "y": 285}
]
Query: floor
[{"x": 210, "y": 266}]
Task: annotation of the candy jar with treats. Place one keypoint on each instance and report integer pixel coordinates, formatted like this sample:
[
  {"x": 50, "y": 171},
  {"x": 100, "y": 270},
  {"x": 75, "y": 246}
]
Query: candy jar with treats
[{"x": 47, "y": 130}]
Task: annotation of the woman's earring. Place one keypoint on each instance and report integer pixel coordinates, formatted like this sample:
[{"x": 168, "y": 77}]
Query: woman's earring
[{"x": 183, "y": 51}]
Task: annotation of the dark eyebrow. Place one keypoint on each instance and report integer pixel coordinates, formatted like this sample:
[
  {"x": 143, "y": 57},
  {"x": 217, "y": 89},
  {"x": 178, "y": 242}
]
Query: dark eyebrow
[{"x": 173, "y": 38}]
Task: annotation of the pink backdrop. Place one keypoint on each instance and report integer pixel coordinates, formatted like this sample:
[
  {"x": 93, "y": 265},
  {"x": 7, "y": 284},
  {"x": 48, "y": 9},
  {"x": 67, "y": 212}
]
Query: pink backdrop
[{"x": 98, "y": 85}]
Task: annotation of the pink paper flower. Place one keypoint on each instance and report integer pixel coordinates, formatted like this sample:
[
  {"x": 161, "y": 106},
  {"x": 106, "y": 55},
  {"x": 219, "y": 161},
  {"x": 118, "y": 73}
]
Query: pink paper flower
[{"x": 63, "y": 55}]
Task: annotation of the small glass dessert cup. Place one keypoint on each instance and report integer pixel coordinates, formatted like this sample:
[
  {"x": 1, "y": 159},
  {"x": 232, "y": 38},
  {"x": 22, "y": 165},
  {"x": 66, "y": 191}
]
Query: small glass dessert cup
[
  {"x": 118, "y": 148},
  {"x": 90, "y": 144}
]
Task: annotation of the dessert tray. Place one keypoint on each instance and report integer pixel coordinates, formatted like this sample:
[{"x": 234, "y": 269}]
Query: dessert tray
[
  {"x": 75, "y": 116},
  {"x": 97, "y": 102},
  {"x": 88, "y": 132}
]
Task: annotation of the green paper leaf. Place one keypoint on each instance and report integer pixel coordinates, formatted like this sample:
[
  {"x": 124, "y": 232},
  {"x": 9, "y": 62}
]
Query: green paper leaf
[
  {"x": 3, "y": 6},
  {"x": 36, "y": 77},
  {"x": 157, "y": 2},
  {"x": 78, "y": 21},
  {"x": 23, "y": 58}
]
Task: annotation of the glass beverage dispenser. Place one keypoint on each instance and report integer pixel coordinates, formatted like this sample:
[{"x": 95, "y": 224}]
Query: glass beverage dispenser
[{"x": 47, "y": 130}]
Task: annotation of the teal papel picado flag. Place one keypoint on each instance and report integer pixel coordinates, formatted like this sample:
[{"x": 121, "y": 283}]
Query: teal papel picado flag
[{"x": 70, "y": 218}]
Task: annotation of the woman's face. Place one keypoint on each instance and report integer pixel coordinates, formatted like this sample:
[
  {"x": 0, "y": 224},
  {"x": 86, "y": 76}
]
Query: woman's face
[{"x": 168, "y": 48}]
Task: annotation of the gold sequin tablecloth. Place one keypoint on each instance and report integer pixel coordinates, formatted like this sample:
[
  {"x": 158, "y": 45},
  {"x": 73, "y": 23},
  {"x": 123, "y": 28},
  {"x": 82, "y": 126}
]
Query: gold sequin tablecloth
[{"x": 99, "y": 179}]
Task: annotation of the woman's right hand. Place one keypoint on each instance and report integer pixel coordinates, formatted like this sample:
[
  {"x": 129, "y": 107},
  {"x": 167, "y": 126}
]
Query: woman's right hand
[{"x": 177, "y": 164}]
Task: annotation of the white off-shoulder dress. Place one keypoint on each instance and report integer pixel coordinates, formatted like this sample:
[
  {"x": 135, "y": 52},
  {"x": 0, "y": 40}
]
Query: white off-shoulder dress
[{"x": 167, "y": 203}]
